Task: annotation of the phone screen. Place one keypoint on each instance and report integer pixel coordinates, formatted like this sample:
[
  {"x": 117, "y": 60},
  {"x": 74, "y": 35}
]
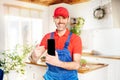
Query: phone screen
[{"x": 51, "y": 47}]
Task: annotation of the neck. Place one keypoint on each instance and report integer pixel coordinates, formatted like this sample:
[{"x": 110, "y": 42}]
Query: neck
[{"x": 61, "y": 32}]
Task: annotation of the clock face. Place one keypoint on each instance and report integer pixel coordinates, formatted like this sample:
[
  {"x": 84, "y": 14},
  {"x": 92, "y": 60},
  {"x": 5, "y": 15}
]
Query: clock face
[{"x": 99, "y": 13}]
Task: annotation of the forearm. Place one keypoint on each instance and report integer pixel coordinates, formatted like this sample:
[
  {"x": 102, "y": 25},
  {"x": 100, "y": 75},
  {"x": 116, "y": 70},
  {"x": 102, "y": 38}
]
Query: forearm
[
  {"x": 74, "y": 65},
  {"x": 69, "y": 65}
]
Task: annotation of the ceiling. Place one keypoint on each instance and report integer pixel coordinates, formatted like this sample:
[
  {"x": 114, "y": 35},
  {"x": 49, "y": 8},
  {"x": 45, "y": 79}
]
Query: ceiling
[{"x": 52, "y": 2}]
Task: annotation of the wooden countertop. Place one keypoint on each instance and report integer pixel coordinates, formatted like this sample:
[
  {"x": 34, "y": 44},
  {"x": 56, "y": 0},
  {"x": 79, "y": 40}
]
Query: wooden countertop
[
  {"x": 101, "y": 56},
  {"x": 91, "y": 66}
]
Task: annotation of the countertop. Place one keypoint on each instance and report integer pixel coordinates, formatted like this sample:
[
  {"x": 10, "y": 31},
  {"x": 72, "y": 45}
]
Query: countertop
[
  {"x": 100, "y": 56},
  {"x": 90, "y": 66}
]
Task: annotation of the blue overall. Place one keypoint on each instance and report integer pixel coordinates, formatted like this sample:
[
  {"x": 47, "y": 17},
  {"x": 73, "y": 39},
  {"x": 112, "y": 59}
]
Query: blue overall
[{"x": 58, "y": 73}]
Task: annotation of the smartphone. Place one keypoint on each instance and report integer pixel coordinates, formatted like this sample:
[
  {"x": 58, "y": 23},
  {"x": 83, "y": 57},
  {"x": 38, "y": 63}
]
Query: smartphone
[{"x": 51, "y": 47}]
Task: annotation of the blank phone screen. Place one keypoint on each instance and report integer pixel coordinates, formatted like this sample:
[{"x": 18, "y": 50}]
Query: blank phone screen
[{"x": 51, "y": 47}]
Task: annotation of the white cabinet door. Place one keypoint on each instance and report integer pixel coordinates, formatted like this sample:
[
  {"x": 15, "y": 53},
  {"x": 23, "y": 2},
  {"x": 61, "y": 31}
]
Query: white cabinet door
[
  {"x": 34, "y": 72},
  {"x": 113, "y": 66},
  {"x": 99, "y": 74}
]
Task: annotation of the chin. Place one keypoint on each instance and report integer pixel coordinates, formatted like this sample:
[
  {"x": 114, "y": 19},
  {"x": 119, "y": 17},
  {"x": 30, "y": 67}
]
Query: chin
[{"x": 61, "y": 28}]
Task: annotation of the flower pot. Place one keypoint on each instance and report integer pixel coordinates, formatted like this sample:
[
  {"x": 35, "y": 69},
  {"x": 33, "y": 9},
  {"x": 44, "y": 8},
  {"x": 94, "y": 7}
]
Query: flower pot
[{"x": 13, "y": 75}]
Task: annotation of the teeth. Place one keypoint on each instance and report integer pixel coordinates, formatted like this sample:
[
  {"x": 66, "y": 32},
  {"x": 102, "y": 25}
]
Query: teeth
[{"x": 61, "y": 24}]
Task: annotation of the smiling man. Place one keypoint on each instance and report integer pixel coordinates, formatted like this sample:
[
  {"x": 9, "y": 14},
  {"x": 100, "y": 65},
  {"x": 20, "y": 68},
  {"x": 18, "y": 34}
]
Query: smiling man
[{"x": 65, "y": 63}]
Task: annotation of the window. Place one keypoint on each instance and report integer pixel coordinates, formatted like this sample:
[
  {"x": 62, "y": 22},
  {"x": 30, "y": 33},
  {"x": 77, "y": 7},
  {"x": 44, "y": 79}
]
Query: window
[{"x": 22, "y": 29}]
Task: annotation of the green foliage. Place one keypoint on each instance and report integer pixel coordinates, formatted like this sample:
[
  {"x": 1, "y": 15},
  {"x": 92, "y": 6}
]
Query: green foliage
[
  {"x": 77, "y": 27},
  {"x": 76, "y": 30},
  {"x": 14, "y": 59},
  {"x": 83, "y": 62}
]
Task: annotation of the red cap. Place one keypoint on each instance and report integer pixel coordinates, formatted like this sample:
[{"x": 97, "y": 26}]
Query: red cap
[{"x": 61, "y": 11}]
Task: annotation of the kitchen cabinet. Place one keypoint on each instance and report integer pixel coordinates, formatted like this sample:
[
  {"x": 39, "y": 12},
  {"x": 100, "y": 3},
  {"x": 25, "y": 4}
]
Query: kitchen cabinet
[
  {"x": 113, "y": 65},
  {"x": 98, "y": 74},
  {"x": 34, "y": 72}
]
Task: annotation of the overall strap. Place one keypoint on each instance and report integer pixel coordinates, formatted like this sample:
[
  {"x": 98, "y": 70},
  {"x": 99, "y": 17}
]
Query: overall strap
[
  {"x": 52, "y": 35},
  {"x": 68, "y": 40}
]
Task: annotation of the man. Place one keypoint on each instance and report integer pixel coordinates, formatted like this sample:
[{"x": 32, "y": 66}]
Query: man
[{"x": 65, "y": 63}]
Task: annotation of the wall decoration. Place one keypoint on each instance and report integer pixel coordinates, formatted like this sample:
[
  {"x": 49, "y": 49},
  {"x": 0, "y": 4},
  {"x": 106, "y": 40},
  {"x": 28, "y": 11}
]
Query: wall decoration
[{"x": 99, "y": 13}]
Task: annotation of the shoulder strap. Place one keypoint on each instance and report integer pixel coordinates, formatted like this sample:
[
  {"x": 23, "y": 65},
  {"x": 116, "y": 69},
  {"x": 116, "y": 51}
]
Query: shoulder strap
[
  {"x": 68, "y": 41},
  {"x": 52, "y": 35}
]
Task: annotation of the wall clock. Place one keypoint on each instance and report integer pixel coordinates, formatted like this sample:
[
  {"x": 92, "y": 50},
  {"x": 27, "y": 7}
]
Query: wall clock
[{"x": 99, "y": 13}]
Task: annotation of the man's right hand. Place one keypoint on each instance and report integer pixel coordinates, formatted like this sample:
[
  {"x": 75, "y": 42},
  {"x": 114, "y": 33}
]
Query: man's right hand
[{"x": 36, "y": 53}]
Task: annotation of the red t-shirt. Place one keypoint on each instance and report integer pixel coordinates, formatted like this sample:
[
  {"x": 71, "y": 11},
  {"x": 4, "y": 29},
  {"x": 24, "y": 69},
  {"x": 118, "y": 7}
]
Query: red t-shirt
[{"x": 75, "y": 45}]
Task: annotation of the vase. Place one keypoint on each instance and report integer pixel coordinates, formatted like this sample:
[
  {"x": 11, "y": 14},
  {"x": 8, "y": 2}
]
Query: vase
[{"x": 13, "y": 75}]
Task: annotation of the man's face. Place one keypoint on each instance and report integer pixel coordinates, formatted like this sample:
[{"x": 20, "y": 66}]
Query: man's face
[{"x": 61, "y": 22}]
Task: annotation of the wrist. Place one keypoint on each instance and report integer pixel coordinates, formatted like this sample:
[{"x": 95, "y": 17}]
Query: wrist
[{"x": 61, "y": 64}]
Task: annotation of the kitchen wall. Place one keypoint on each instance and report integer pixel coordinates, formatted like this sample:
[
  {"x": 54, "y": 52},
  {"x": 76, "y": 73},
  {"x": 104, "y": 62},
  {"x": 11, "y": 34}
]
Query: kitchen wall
[
  {"x": 116, "y": 11},
  {"x": 107, "y": 42}
]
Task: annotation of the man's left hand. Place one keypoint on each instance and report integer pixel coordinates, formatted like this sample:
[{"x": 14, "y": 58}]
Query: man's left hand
[{"x": 53, "y": 60}]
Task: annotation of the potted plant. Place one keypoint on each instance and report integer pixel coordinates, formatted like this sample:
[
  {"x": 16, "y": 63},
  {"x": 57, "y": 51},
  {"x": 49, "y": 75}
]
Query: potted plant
[
  {"x": 83, "y": 66},
  {"x": 14, "y": 59},
  {"x": 77, "y": 23},
  {"x": 83, "y": 63}
]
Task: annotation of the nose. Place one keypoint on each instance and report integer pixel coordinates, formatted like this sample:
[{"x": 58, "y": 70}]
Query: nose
[{"x": 61, "y": 20}]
